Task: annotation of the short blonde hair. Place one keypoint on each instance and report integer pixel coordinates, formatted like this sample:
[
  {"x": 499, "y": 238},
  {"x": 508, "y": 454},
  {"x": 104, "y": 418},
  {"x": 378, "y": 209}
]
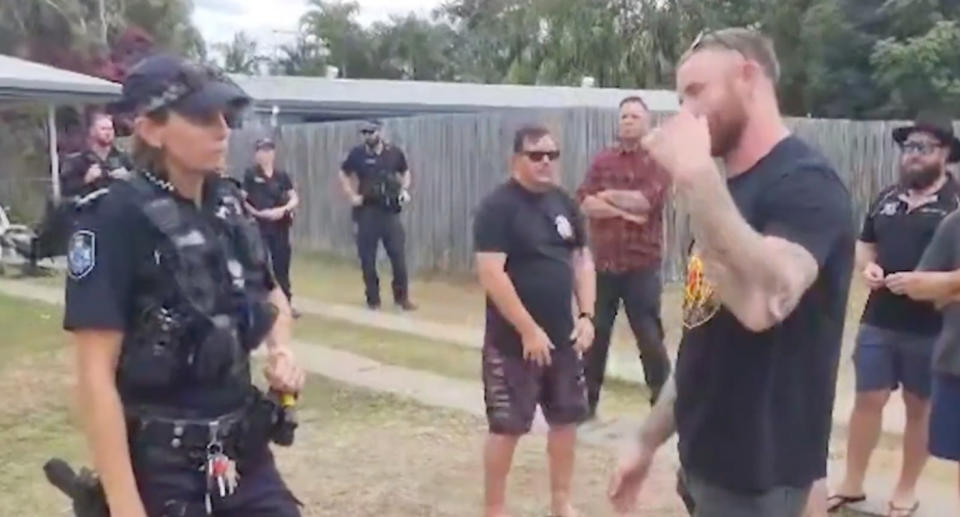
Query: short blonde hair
[{"x": 750, "y": 43}]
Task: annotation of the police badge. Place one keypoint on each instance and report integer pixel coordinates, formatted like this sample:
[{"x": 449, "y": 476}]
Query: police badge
[
  {"x": 81, "y": 254},
  {"x": 563, "y": 227}
]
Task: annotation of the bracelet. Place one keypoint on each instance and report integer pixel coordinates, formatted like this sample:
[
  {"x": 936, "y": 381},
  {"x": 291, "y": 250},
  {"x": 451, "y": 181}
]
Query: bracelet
[{"x": 586, "y": 315}]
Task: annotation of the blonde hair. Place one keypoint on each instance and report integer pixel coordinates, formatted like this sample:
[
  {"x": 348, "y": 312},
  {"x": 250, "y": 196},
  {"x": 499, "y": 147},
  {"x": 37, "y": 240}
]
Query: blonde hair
[{"x": 146, "y": 156}]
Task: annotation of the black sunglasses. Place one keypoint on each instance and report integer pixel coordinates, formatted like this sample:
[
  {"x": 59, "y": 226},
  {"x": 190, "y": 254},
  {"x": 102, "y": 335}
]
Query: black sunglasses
[
  {"x": 538, "y": 156},
  {"x": 367, "y": 131}
]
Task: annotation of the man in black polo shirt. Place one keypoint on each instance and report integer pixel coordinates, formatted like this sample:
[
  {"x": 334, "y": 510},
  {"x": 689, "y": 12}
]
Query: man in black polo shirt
[
  {"x": 272, "y": 200},
  {"x": 96, "y": 166},
  {"x": 897, "y": 334},
  {"x": 376, "y": 181},
  {"x": 533, "y": 261},
  {"x": 767, "y": 286}
]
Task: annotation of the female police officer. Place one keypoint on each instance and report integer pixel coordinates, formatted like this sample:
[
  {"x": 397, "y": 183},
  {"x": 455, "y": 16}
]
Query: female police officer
[{"x": 168, "y": 292}]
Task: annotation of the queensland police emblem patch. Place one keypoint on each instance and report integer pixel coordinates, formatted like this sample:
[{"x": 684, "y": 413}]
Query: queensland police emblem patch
[
  {"x": 81, "y": 254},
  {"x": 563, "y": 227}
]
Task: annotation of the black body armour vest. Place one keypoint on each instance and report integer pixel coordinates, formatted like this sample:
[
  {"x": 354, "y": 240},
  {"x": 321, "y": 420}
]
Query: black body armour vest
[{"x": 202, "y": 305}]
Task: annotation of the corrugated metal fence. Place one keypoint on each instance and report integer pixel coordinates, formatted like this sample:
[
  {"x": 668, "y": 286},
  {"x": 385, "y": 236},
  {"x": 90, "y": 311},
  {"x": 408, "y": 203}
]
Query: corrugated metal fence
[{"x": 457, "y": 159}]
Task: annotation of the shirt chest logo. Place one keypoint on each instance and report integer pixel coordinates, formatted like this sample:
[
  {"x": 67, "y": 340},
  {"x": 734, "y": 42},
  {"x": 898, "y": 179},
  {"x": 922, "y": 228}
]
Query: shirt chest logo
[
  {"x": 564, "y": 228},
  {"x": 889, "y": 208}
]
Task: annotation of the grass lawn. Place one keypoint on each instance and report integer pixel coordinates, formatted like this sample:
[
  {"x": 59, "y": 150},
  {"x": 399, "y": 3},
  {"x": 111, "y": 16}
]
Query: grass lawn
[{"x": 358, "y": 453}]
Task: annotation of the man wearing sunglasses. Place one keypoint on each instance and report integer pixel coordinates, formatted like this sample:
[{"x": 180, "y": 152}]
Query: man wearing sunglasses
[
  {"x": 623, "y": 194},
  {"x": 533, "y": 263},
  {"x": 376, "y": 181},
  {"x": 765, "y": 301},
  {"x": 897, "y": 334}
]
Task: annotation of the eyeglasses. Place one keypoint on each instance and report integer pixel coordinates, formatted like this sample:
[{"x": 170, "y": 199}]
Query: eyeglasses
[
  {"x": 921, "y": 148},
  {"x": 538, "y": 156},
  {"x": 367, "y": 131}
]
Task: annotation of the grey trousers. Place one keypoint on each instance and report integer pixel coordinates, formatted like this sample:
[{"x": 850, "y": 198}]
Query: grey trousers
[{"x": 711, "y": 500}]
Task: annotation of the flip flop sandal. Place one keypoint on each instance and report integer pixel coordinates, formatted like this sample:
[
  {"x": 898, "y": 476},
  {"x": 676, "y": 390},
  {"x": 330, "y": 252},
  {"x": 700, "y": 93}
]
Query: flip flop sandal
[
  {"x": 902, "y": 511},
  {"x": 837, "y": 501}
]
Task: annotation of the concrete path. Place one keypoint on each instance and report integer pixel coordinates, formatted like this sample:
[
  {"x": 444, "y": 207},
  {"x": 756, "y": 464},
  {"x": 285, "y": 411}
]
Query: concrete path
[{"x": 439, "y": 391}]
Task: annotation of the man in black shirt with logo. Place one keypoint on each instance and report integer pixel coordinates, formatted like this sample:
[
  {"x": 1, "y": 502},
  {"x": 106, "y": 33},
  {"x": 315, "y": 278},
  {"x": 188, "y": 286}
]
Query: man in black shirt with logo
[
  {"x": 767, "y": 286},
  {"x": 376, "y": 181},
  {"x": 94, "y": 168},
  {"x": 533, "y": 261},
  {"x": 272, "y": 200},
  {"x": 896, "y": 338}
]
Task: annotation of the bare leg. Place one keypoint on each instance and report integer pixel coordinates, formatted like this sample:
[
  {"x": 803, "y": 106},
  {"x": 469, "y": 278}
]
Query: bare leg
[
  {"x": 865, "y": 425},
  {"x": 817, "y": 503},
  {"x": 560, "y": 447},
  {"x": 497, "y": 457},
  {"x": 915, "y": 439}
]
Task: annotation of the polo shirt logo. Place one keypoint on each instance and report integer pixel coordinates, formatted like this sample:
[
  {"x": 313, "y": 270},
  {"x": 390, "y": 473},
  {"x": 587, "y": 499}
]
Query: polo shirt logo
[
  {"x": 563, "y": 227},
  {"x": 889, "y": 209}
]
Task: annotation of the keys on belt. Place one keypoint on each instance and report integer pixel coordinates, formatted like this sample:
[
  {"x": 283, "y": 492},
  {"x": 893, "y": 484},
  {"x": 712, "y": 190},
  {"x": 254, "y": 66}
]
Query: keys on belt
[{"x": 221, "y": 470}]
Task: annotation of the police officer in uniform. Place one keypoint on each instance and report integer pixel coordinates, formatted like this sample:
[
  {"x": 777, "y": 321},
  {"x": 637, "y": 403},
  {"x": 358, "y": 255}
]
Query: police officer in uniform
[
  {"x": 376, "y": 181},
  {"x": 272, "y": 200},
  {"x": 169, "y": 291},
  {"x": 94, "y": 168}
]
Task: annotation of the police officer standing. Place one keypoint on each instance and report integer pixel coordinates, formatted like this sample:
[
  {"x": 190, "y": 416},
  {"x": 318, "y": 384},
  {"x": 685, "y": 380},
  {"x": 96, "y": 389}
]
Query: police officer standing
[
  {"x": 272, "y": 199},
  {"x": 376, "y": 181},
  {"x": 94, "y": 168},
  {"x": 168, "y": 293}
]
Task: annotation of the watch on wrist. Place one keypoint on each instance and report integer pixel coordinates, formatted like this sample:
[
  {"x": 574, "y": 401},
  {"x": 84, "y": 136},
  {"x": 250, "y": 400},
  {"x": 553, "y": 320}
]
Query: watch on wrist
[{"x": 587, "y": 316}]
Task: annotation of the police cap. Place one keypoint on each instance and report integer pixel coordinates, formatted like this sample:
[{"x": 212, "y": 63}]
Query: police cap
[{"x": 169, "y": 82}]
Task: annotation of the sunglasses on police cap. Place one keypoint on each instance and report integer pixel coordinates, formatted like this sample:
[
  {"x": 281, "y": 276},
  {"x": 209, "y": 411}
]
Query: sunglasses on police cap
[{"x": 538, "y": 156}]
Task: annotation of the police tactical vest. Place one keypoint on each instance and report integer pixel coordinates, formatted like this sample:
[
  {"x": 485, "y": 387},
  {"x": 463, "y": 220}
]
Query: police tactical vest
[{"x": 204, "y": 305}]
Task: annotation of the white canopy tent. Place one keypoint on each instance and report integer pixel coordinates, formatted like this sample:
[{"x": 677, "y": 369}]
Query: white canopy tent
[{"x": 26, "y": 81}]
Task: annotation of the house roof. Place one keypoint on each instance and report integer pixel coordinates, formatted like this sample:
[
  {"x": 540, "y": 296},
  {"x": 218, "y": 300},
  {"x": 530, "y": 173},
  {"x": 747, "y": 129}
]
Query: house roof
[
  {"x": 364, "y": 97},
  {"x": 22, "y": 80}
]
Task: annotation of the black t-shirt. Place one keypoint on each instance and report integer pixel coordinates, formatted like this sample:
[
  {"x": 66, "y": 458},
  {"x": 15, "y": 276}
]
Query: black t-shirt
[
  {"x": 263, "y": 193},
  {"x": 538, "y": 233},
  {"x": 754, "y": 409},
  {"x": 372, "y": 168},
  {"x": 75, "y": 167},
  {"x": 109, "y": 256},
  {"x": 900, "y": 238}
]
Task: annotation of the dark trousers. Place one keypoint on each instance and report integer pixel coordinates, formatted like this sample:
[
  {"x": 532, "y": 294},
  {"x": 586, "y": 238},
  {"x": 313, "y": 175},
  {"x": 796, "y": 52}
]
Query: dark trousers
[
  {"x": 374, "y": 225},
  {"x": 171, "y": 489},
  {"x": 640, "y": 292},
  {"x": 278, "y": 246}
]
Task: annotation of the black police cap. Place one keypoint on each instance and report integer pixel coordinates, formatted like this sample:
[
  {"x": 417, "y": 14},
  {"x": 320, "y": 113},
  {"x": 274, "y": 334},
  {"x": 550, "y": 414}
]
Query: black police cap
[{"x": 169, "y": 82}]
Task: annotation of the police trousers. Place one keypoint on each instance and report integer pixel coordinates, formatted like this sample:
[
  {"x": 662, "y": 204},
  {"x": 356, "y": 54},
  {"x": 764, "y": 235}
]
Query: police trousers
[
  {"x": 172, "y": 488},
  {"x": 375, "y": 224},
  {"x": 278, "y": 245}
]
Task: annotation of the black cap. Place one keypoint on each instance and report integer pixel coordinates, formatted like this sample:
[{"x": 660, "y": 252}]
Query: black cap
[
  {"x": 164, "y": 81},
  {"x": 265, "y": 143},
  {"x": 937, "y": 123}
]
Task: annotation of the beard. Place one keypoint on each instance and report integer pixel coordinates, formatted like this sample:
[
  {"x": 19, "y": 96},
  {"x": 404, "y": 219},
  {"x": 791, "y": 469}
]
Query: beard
[
  {"x": 920, "y": 178},
  {"x": 726, "y": 126},
  {"x": 372, "y": 141}
]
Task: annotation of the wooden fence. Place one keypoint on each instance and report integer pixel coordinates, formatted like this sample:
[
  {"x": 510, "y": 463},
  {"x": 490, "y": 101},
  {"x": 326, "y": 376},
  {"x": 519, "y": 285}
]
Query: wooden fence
[{"x": 457, "y": 159}]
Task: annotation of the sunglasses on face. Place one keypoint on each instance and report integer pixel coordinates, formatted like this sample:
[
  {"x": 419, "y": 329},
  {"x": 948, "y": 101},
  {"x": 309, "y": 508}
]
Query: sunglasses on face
[
  {"x": 538, "y": 156},
  {"x": 921, "y": 148},
  {"x": 367, "y": 131}
]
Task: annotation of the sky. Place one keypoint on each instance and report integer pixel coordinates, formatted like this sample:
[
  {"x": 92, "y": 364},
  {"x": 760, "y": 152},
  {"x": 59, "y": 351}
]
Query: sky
[{"x": 272, "y": 22}]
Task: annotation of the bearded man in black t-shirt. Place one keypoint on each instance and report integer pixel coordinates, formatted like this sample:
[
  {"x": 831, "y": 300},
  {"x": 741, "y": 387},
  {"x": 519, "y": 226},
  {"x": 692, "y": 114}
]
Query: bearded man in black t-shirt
[{"x": 768, "y": 279}]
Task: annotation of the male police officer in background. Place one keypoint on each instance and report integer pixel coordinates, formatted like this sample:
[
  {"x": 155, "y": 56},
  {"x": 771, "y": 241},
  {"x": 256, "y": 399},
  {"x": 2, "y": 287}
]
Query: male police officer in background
[
  {"x": 376, "y": 180},
  {"x": 272, "y": 199},
  {"x": 92, "y": 169}
]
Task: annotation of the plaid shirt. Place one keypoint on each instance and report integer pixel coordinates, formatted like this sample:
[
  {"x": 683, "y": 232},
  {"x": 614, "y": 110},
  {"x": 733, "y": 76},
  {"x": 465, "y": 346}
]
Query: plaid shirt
[{"x": 619, "y": 245}]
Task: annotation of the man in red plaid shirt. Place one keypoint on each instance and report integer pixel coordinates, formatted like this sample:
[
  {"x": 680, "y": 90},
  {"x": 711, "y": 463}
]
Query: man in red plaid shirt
[{"x": 623, "y": 195}]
